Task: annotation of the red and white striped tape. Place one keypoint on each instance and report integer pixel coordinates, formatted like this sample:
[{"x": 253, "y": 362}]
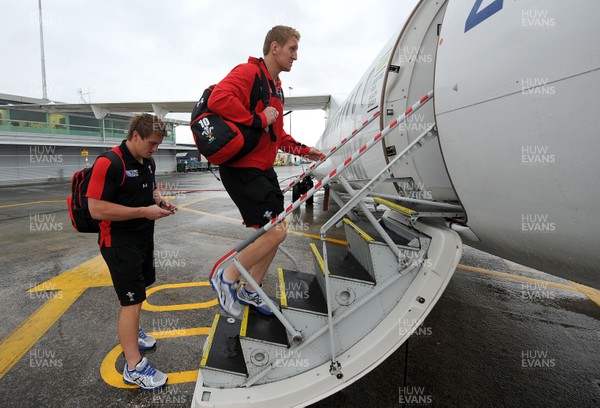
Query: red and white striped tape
[{"x": 334, "y": 149}]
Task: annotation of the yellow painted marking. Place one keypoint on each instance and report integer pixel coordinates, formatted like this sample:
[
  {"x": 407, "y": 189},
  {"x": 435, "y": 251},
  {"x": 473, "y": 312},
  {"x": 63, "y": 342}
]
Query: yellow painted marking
[
  {"x": 317, "y": 255},
  {"x": 210, "y": 340},
  {"x": 394, "y": 206},
  {"x": 239, "y": 221},
  {"x": 182, "y": 306},
  {"x": 313, "y": 236},
  {"x": 360, "y": 232},
  {"x": 112, "y": 377},
  {"x": 591, "y": 293},
  {"x": 244, "y": 325},
  {"x": 317, "y": 237},
  {"x": 33, "y": 202},
  {"x": 211, "y": 214},
  {"x": 69, "y": 286},
  {"x": 516, "y": 277},
  {"x": 25, "y": 336},
  {"x": 282, "y": 295},
  {"x": 196, "y": 201}
]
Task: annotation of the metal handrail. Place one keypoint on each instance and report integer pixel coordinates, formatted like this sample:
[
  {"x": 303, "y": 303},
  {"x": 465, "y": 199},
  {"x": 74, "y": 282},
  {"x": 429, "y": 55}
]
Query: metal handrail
[
  {"x": 366, "y": 190},
  {"x": 334, "y": 149}
]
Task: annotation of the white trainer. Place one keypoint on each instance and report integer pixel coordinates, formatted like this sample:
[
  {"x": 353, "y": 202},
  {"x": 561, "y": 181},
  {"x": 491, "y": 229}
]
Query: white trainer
[
  {"x": 145, "y": 341},
  {"x": 226, "y": 294},
  {"x": 144, "y": 375}
]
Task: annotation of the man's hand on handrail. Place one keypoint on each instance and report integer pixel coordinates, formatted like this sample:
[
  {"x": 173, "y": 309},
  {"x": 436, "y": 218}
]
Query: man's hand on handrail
[{"x": 315, "y": 154}]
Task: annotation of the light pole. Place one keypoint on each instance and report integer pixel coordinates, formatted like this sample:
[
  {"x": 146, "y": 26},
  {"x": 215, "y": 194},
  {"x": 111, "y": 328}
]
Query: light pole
[{"x": 44, "y": 89}]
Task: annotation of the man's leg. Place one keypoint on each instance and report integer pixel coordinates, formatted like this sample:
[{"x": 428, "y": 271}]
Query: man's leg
[
  {"x": 258, "y": 196},
  {"x": 259, "y": 270},
  {"x": 258, "y": 255},
  {"x": 128, "y": 328}
]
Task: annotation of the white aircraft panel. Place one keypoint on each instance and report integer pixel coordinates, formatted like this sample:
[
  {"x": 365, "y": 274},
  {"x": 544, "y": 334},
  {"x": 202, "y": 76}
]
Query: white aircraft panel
[
  {"x": 517, "y": 112},
  {"x": 415, "y": 56}
]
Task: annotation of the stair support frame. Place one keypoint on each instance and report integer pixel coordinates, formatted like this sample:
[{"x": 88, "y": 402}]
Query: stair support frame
[
  {"x": 296, "y": 335},
  {"x": 354, "y": 201},
  {"x": 335, "y": 320}
]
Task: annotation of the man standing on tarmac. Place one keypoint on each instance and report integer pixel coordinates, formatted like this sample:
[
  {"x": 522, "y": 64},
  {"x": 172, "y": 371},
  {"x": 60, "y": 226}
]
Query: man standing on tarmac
[
  {"x": 128, "y": 203},
  {"x": 251, "y": 181}
]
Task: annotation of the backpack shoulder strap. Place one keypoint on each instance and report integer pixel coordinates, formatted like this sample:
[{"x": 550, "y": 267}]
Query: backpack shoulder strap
[
  {"x": 266, "y": 92},
  {"x": 116, "y": 158},
  {"x": 265, "y": 89}
]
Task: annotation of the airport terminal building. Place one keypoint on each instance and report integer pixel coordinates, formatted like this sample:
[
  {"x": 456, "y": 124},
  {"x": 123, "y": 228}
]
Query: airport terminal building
[{"x": 45, "y": 144}]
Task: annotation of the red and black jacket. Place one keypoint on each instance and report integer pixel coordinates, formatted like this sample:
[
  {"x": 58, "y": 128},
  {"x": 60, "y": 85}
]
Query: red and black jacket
[{"x": 231, "y": 100}]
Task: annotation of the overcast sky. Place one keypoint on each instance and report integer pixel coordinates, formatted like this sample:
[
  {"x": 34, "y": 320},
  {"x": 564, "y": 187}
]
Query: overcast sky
[{"x": 151, "y": 50}]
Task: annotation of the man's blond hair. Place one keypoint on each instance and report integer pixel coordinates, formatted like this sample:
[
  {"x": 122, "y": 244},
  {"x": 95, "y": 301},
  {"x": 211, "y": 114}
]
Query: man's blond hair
[{"x": 281, "y": 35}]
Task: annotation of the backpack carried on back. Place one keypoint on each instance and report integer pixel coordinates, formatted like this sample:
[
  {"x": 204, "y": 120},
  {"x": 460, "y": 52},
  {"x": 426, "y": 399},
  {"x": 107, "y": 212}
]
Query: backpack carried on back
[
  {"x": 220, "y": 140},
  {"x": 77, "y": 202}
]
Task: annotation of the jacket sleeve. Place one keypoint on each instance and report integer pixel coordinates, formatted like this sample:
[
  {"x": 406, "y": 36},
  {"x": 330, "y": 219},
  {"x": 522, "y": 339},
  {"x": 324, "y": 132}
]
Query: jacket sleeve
[
  {"x": 231, "y": 97},
  {"x": 104, "y": 182},
  {"x": 289, "y": 145}
]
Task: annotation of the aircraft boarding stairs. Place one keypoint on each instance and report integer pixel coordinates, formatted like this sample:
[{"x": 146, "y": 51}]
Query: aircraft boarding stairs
[{"x": 334, "y": 325}]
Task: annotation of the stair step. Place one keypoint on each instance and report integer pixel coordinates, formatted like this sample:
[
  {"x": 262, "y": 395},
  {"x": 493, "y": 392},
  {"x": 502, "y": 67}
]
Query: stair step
[
  {"x": 348, "y": 280},
  {"x": 342, "y": 264},
  {"x": 370, "y": 234},
  {"x": 416, "y": 210},
  {"x": 257, "y": 326},
  {"x": 224, "y": 351},
  {"x": 301, "y": 291}
]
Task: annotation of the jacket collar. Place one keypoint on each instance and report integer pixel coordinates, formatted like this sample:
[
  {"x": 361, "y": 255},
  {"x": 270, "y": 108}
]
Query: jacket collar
[{"x": 128, "y": 157}]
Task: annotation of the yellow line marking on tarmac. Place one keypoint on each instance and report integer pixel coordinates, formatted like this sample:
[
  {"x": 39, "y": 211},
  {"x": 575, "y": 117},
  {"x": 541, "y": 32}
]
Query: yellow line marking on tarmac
[
  {"x": 212, "y": 215},
  {"x": 516, "y": 277},
  {"x": 69, "y": 286},
  {"x": 181, "y": 306},
  {"x": 195, "y": 201},
  {"x": 591, "y": 293},
  {"x": 112, "y": 377},
  {"x": 237, "y": 220},
  {"x": 34, "y": 202}
]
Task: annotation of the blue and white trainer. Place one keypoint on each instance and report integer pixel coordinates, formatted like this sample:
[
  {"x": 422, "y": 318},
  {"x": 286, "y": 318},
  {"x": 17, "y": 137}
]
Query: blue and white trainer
[
  {"x": 248, "y": 298},
  {"x": 226, "y": 294},
  {"x": 144, "y": 375},
  {"x": 145, "y": 341}
]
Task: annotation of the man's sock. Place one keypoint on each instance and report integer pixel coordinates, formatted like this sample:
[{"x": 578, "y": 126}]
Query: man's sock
[{"x": 227, "y": 280}]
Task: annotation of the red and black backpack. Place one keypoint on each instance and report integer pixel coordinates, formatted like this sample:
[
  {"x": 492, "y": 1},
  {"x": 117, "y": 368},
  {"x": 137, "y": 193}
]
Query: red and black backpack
[
  {"x": 77, "y": 202},
  {"x": 222, "y": 141}
]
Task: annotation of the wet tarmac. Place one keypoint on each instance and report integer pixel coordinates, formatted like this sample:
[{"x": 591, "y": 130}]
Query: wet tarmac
[{"x": 502, "y": 335}]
